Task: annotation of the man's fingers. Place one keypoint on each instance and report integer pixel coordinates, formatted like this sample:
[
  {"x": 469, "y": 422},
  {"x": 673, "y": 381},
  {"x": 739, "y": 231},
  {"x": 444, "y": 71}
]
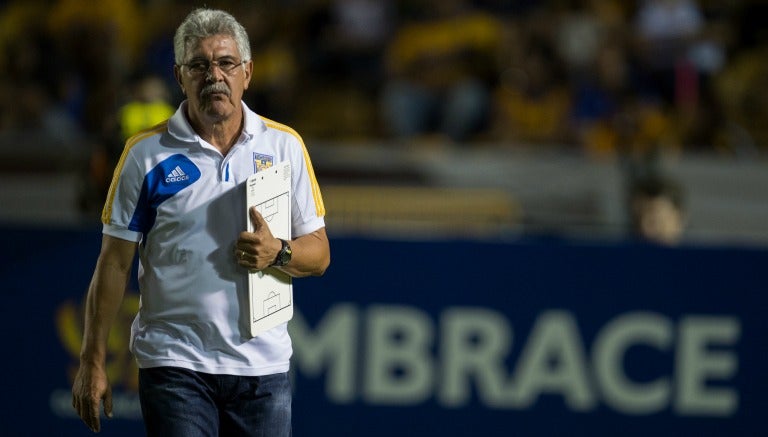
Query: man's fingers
[
  {"x": 90, "y": 416},
  {"x": 88, "y": 410},
  {"x": 89, "y": 390},
  {"x": 108, "y": 403}
]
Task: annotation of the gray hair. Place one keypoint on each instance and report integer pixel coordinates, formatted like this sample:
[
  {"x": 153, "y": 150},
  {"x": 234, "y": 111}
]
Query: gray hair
[{"x": 203, "y": 23}]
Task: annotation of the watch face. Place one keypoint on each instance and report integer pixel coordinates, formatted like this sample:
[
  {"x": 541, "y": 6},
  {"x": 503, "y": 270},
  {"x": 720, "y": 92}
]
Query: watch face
[
  {"x": 284, "y": 257},
  {"x": 286, "y": 254}
]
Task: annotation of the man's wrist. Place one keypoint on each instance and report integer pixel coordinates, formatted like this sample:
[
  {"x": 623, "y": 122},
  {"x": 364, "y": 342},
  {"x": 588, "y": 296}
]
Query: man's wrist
[{"x": 284, "y": 255}]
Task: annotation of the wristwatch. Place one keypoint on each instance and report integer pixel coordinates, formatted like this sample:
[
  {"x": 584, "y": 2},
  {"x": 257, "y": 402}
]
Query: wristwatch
[{"x": 284, "y": 256}]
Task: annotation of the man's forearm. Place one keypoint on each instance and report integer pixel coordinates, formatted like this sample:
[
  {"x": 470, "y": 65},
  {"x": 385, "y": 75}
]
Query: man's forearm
[
  {"x": 311, "y": 255},
  {"x": 105, "y": 295}
]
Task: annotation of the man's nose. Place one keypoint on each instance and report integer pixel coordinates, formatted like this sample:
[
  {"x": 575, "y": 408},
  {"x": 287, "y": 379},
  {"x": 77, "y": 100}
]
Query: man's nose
[{"x": 214, "y": 73}]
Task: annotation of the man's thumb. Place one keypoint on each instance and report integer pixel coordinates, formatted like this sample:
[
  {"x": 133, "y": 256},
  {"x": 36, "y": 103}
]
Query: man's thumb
[{"x": 256, "y": 218}]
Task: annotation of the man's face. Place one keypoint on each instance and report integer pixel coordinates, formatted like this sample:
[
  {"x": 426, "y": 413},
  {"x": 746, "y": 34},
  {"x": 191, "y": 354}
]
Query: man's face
[
  {"x": 659, "y": 220},
  {"x": 214, "y": 94}
]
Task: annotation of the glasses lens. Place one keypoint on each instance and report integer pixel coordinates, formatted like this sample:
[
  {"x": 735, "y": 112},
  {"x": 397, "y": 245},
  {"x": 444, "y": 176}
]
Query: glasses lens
[
  {"x": 227, "y": 65},
  {"x": 198, "y": 67},
  {"x": 202, "y": 66}
]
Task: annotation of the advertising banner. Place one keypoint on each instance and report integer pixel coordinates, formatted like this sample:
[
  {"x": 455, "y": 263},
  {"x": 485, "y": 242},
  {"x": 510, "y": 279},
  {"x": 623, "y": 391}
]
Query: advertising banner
[{"x": 448, "y": 338}]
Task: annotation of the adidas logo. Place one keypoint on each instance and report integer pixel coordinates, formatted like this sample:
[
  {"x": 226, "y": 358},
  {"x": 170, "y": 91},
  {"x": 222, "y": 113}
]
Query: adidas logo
[{"x": 177, "y": 175}]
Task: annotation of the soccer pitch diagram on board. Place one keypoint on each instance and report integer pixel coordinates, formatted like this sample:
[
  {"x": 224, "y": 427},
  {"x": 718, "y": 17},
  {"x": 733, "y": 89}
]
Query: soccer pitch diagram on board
[{"x": 270, "y": 291}]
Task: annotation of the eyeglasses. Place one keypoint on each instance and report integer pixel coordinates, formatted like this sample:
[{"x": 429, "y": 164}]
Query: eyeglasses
[{"x": 202, "y": 66}]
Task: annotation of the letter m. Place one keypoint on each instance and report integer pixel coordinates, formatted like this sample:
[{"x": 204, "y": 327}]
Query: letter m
[{"x": 331, "y": 347}]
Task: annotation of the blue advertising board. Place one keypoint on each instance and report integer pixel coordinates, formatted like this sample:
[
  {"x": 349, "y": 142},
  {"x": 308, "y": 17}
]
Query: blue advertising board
[{"x": 448, "y": 338}]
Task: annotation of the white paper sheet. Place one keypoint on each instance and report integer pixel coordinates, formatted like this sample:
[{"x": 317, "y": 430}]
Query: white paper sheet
[{"x": 270, "y": 291}]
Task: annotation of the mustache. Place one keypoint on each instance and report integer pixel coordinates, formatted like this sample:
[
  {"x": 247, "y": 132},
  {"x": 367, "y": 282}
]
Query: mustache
[{"x": 218, "y": 87}]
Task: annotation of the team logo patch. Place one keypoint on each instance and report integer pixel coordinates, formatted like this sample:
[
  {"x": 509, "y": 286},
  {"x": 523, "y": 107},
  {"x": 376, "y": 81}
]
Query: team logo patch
[{"x": 261, "y": 162}]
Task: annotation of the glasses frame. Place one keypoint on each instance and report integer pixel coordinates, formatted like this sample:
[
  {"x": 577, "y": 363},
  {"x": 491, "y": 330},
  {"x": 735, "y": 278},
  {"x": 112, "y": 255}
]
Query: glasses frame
[{"x": 193, "y": 66}]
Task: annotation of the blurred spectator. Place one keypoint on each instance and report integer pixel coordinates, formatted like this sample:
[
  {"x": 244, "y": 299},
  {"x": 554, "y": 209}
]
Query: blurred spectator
[
  {"x": 156, "y": 54},
  {"x": 274, "y": 84},
  {"x": 599, "y": 99},
  {"x": 356, "y": 35},
  {"x": 101, "y": 40},
  {"x": 588, "y": 39},
  {"x": 33, "y": 79},
  {"x": 666, "y": 32},
  {"x": 532, "y": 101},
  {"x": 742, "y": 89},
  {"x": 441, "y": 68},
  {"x": 657, "y": 211},
  {"x": 149, "y": 103},
  {"x": 146, "y": 104},
  {"x": 609, "y": 117},
  {"x": 578, "y": 36},
  {"x": 606, "y": 76}
]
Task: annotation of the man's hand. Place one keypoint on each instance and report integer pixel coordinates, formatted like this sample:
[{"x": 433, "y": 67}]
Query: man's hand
[
  {"x": 91, "y": 386},
  {"x": 257, "y": 250}
]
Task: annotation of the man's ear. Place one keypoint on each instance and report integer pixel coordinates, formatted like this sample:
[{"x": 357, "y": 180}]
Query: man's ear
[
  {"x": 177, "y": 75},
  {"x": 248, "y": 73}
]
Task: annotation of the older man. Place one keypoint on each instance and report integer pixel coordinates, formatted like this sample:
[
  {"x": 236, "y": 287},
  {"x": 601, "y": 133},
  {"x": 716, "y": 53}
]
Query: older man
[{"x": 178, "y": 196}]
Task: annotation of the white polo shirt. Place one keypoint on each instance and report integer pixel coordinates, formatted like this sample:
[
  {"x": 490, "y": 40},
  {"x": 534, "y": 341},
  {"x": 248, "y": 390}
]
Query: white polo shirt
[{"x": 184, "y": 203}]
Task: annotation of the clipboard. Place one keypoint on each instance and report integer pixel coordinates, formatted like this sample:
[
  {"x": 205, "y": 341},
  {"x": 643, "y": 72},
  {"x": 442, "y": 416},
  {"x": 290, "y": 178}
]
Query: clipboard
[{"x": 270, "y": 291}]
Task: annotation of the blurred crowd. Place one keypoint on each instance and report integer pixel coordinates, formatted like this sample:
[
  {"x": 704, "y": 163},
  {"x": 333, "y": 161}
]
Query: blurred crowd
[{"x": 599, "y": 77}]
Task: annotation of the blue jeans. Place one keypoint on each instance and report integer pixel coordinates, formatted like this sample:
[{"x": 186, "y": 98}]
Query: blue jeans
[{"x": 182, "y": 403}]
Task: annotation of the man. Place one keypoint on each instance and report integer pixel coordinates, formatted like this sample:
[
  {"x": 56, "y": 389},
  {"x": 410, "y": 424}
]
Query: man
[{"x": 178, "y": 195}]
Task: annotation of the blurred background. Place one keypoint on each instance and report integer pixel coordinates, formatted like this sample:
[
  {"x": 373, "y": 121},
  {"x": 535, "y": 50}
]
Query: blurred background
[
  {"x": 588, "y": 174},
  {"x": 536, "y": 117}
]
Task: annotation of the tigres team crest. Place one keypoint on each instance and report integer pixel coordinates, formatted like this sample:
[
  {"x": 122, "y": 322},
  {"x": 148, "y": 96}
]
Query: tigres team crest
[{"x": 261, "y": 162}]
